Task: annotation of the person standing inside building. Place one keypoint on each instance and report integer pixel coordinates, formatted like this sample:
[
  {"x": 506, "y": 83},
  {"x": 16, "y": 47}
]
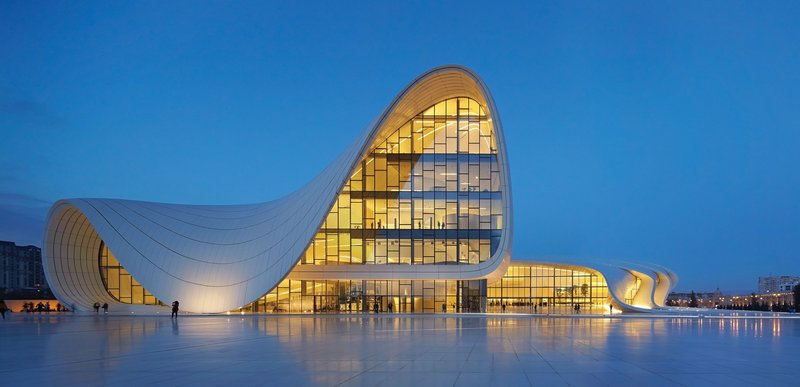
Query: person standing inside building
[
  {"x": 96, "y": 307},
  {"x": 105, "y": 307},
  {"x": 175, "y": 305}
]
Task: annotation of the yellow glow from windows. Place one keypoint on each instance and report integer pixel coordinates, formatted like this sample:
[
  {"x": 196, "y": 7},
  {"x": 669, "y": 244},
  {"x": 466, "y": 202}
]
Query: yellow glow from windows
[
  {"x": 119, "y": 283},
  {"x": 447, "y": 148}
]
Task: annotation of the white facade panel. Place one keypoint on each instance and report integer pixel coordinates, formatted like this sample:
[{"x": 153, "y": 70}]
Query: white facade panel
[{"x": 217, "y": 258}]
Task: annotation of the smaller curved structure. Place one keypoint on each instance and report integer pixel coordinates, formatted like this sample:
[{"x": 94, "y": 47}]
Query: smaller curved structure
[
  {"x": 639, "y": 287},
  {"x": 556, "y": 287}
]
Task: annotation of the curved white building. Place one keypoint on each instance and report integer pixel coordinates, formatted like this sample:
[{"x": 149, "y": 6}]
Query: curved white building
[{"x": 414, "y": 216}]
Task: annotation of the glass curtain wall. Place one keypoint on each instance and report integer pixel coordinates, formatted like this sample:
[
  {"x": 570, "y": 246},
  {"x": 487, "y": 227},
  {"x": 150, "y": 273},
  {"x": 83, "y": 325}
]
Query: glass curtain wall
[
  {"x": 119, "y": 283},
  {"x": 547, "y": 289},
  {"x": 429, "y": 193},
  {"x": 372, "y": 296}
]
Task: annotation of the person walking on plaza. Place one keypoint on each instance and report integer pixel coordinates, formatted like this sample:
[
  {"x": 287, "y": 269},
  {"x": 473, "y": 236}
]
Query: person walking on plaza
[
  {"x": 105, "y": 307},
  {"x": 174, "y": 309},
  {"x": 3, "y": 308},
  {"x": 610, "y": 308},
  {"x": 96, "y": 307}
]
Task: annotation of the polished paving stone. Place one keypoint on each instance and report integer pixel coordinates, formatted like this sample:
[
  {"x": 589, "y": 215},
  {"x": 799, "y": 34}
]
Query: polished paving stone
[{"x": 398, "y": 350}]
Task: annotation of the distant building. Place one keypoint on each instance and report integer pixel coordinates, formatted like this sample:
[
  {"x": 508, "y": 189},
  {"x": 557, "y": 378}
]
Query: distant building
[
  {"x": 776, "y": 301},
  {"x": 704, "y": 300},
  {"x": 21, "y": 267},
  {"x": 777, "y": 284},
  {"x": 763, "y": 301}
]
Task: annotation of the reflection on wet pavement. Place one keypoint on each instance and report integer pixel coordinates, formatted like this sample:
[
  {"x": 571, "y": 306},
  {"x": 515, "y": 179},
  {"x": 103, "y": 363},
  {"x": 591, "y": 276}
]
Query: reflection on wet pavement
[{"x": 427, "y": 350}]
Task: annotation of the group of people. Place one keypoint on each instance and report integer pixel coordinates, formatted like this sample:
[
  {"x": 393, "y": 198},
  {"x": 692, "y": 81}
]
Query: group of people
[
  {"x": 97, "y": 307},
  {"x": 441, "y": 225},
  {"x": 40, "y": 307},
  {"x": 377, "y": 308},
  {"x": 30, "y": 307}
]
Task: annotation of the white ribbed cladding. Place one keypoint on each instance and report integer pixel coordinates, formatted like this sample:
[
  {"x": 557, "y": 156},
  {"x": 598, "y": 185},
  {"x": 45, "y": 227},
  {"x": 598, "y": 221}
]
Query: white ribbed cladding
[
  {"x": 217, "y": 258},
  {"x": 656, "y": 283},
  {"x": 666, "y": 280}
]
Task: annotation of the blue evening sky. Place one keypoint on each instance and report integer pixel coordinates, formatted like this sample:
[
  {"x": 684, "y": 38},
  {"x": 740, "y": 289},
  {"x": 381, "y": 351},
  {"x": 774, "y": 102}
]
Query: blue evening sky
[{"x": 638, "y": 131}]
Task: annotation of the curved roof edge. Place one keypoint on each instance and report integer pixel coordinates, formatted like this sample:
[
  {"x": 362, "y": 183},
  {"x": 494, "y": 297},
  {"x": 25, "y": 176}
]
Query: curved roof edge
[{"x": 218, "y": 258}]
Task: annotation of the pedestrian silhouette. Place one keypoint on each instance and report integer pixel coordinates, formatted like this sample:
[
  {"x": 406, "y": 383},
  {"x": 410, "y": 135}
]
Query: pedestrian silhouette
[
  {"x": 174, "y": 309},
  {"x": 3, "y": 308},
  {"x": 105, "y": 307},
  {"x": 96, "y": 307}
]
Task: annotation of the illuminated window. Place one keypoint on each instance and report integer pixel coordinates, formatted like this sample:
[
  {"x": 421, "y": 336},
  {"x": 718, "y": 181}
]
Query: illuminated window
[
  {"x": 372, "y": 296},
  {"x": 119, "y": 283},
  {"x": 426, "y": 193},
  {"x": 547, "y": 289},
  {"x": 631, "y": 293}
]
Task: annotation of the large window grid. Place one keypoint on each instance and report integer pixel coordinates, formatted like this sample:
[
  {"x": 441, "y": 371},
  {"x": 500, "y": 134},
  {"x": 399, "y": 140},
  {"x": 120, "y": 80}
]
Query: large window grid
[
  {"x": 549, "y": 289},
  {"x": 427, "y": 194},
  {"x": 372, "y": 296},
  {"x": 119, "y": 283}
]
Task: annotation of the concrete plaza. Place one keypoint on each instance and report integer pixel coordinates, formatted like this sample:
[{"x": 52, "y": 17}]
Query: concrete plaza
[{"x": 406, "y": 350}]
